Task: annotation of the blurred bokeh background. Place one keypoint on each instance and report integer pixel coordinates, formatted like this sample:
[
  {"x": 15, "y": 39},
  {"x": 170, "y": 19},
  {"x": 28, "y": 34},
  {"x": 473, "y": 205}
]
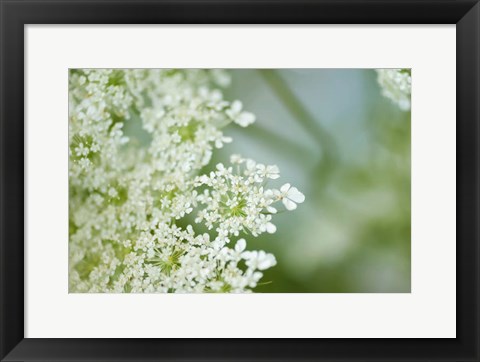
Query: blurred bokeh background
[{"x": 347, "y": 148}]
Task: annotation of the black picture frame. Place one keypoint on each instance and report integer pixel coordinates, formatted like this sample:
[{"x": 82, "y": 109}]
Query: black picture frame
[{"x": 15, "y": 14}]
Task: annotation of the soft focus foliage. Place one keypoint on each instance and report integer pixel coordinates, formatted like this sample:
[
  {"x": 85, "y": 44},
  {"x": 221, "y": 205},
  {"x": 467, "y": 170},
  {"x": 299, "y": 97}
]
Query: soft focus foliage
[{"x": 347, "y": 148}]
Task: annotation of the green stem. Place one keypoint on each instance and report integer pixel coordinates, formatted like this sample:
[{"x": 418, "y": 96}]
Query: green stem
[
  {"x": 297, "y": 109},
  {"x": 280, "y": 143},
  {"x": 326, "y": 143}
]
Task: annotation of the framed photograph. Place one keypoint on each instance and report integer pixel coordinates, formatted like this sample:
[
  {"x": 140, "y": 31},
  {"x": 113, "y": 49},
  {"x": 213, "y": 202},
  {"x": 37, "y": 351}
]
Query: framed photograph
[{"x": 239, "y": 180}]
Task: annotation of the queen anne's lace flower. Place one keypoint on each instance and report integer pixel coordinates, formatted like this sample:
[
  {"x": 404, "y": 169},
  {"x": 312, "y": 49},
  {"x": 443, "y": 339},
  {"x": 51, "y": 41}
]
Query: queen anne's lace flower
[
  {"x": 143, "y": 215},
  {"x": 397, "y": 85},
  {"x": 289, "y": 195}
]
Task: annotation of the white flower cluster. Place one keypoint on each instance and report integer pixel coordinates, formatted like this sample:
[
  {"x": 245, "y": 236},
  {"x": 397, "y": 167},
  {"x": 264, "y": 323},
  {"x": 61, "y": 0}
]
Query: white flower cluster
[
  {"x": 396, "y": 85},
  {"x": 144, "y": 217}
]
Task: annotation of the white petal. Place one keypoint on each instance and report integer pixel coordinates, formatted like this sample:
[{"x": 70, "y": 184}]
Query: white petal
[
  {"x": 273, "y": 169},
  {"x": 271, "y": 228},
  {"x": 277, "y": 193},
  {"x": 289, "y": 204},
  {"x": 257, "y": 276},
  {"x": 236, "y": 106},
  {"x": 284, "y": 188},
  {"x": 235, "y": 158},
  {"x": 206, "y": 157},
  {"x": 247, "y": 255},
  {"x": 271, "y": 209},
  {"x": 245, "y": 119},
  {"x": 266, "y": 262},
  {"x": 295, "y": 195},
  {"x": 268, "y": 193},
  {"x": 240, "y": 246},
  {"x": 250, "y": 164}
]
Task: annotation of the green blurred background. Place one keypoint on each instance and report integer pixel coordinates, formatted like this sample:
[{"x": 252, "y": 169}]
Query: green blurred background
[{"x": 347, "y": 148}]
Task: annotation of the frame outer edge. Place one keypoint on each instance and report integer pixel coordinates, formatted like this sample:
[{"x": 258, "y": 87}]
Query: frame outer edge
[
  {"x": 12, "y": 178},
  {"x": 468, "y": 181},
  {"x": 11, "y": 181}
]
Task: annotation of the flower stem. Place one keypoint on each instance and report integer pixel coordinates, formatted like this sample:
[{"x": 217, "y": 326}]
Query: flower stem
[{"x": 326, "y": 143}]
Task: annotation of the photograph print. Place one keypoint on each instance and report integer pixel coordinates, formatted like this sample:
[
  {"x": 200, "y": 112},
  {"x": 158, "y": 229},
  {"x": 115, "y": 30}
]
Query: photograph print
[{"x": 239, "y": 180}]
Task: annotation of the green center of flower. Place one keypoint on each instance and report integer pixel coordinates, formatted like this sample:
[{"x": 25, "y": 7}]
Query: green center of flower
[
  {"x": 171, "y": 263},
  {"x": 187, "y": 133}
]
